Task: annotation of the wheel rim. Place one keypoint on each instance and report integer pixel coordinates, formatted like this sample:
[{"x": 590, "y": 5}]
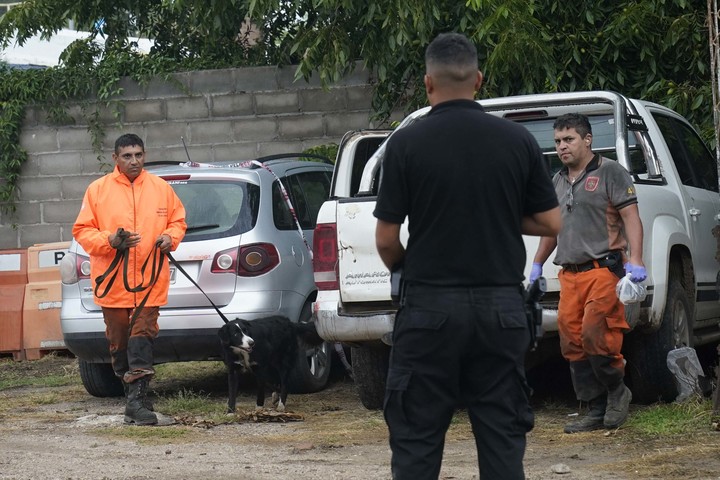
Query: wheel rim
[
  {"x": 681, "y": 336},
  {"x": 317, "y": 360}
]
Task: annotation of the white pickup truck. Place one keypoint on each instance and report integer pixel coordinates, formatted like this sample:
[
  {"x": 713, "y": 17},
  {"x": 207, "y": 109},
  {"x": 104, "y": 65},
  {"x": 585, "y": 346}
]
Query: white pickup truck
[{"x": 676, "y": 178}]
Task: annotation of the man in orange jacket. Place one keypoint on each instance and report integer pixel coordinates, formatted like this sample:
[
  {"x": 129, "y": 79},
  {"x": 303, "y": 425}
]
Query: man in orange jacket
[{"x": 151, "y": 215}]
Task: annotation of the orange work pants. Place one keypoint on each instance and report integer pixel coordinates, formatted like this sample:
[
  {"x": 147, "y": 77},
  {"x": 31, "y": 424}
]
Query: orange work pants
[{"x": 591, "y": 319}]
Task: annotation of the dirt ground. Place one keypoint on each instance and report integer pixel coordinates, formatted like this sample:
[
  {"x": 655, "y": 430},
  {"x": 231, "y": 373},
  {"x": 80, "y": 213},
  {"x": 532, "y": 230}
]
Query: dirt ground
[{"x": 63, "y": 433}]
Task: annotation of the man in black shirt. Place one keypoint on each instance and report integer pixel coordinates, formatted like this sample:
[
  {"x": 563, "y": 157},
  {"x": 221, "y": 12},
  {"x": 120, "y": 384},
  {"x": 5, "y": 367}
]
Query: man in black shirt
[{"x": 470, "y": 184}]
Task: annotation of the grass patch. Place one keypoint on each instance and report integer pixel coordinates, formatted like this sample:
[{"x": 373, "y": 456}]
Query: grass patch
[
  {"x": 198, "y": 404},
  {"x": 147, "y": 435},
  {"x": 190, "y": 370},
  {"x": 672, "y": 418},
  {"x": 37, "y": 373}
]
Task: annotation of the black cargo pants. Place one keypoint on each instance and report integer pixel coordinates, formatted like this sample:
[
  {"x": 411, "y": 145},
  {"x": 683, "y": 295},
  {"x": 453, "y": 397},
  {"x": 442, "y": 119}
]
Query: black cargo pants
[{"x": 458, "y": 347}]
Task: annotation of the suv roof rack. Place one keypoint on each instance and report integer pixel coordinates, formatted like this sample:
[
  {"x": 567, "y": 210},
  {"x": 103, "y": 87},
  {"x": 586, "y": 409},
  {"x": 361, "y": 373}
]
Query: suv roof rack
[
  {"x": 299, "y": 156},
  {"x": 264, "y": 159}
]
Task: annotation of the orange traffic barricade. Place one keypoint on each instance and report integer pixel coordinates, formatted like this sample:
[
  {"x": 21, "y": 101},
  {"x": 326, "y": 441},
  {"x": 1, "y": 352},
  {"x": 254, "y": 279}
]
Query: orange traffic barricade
[
  {"x": 13, "y": 279},
  {"x": 43, "y": 299}
]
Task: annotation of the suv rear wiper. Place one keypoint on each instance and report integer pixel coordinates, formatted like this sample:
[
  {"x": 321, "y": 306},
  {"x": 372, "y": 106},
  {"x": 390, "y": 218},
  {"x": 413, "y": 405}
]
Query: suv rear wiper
[{"x": 196, "y": 228}]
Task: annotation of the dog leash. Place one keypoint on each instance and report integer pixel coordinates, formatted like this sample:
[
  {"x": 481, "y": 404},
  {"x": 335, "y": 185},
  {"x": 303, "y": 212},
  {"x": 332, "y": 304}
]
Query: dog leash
[
  {"x": 177, "y": 265},
  {"x": 158, "y": 258},
  {"x": 122, "y": 255}
]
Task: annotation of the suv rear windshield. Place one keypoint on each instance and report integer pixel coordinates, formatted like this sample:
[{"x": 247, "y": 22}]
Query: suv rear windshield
[{"x": 216, "y": 209}]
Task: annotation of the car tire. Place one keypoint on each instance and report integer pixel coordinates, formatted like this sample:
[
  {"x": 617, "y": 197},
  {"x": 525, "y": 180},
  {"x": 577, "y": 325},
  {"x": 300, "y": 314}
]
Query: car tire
[
  {"x": 647, "y": 373},
  {"x": 99, "y": 379},
  {"x": 370, "y": 367},
  {"x": 312, "y": 369}
]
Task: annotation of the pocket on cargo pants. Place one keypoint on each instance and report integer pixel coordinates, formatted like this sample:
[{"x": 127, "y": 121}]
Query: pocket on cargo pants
[{"x": 394, "y": 403}]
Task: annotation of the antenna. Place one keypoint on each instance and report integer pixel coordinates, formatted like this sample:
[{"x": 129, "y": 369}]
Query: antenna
[{"x": 186, "y": 150}]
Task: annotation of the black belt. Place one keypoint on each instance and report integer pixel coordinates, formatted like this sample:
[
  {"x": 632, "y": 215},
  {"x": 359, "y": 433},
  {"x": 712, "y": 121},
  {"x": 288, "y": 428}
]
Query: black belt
[{"x": 609, "y": 261}]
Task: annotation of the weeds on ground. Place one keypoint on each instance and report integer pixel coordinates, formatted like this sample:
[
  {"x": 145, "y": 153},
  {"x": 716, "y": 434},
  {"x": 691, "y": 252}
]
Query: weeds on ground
[
  {"x": 37, "y": 373},
  {"x": 672, "y": 418}
]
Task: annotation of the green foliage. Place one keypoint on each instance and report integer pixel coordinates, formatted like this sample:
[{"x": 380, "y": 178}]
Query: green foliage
[
  {"x": 673, "y": 418},
  {"x": 89, "y": 73},
  {"x": 328, "y": 150},
  {"x": 654, "y": 49},
  {"x": 185, "y": 401},
  {"x": 636, "y": 48}
]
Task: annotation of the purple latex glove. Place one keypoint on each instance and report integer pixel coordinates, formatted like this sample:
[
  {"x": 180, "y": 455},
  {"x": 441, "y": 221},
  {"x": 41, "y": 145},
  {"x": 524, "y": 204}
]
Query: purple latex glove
[
  {"x": 637, "y": 272},
  {"x": 535, "y": 272}
]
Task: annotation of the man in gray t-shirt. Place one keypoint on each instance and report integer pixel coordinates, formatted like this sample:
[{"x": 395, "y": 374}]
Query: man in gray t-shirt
[{"x": 601, "y": 232}]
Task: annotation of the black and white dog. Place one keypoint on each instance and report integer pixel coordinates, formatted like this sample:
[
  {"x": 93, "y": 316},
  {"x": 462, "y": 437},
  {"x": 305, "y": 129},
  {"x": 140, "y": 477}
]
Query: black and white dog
[{"x": 268, "y": 348}]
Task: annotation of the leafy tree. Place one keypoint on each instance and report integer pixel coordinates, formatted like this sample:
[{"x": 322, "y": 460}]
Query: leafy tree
[{"x": 653, "y": 49}]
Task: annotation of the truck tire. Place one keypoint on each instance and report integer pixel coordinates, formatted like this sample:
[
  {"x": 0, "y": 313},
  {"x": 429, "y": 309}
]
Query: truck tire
[
  {"x": 646, "y": 371},
  {"x": 99, "y": 379},
  {"x": 312, "y": 370},
  {"x": 370, "y": 367}
]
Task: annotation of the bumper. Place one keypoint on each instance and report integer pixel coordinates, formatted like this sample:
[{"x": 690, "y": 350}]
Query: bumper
[
  {"x": 333, "y": 327},
  {"x": 169, "y": 346}
]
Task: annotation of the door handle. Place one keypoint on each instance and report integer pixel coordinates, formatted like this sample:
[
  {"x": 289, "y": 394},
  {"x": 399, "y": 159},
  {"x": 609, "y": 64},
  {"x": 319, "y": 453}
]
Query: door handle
[{"x": 694, "y": 212}]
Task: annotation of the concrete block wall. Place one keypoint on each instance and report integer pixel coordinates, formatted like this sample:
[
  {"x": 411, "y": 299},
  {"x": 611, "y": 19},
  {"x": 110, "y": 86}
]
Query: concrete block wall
[{"x": 222, "y": 115}]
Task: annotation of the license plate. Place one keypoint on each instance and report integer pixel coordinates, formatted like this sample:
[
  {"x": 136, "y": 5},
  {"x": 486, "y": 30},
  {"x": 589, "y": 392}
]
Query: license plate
[{"x": 173, "y": 274}]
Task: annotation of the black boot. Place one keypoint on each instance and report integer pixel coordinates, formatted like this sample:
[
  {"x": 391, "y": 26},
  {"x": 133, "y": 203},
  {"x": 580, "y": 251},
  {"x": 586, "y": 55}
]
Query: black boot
[
  {"x": 146, "y": 401},
  {"x": 135, "y": 410},
  {"x": 592, "y": 420},
  {"x": 618, "y": 406}
]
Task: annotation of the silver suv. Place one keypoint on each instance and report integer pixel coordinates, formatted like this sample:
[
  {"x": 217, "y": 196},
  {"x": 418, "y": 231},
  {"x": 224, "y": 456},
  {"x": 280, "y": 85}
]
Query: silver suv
[{"x": 242, "y": 246}]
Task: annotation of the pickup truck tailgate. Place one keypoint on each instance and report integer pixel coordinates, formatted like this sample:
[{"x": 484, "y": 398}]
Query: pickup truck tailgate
[{"x": 363, "y": 277}]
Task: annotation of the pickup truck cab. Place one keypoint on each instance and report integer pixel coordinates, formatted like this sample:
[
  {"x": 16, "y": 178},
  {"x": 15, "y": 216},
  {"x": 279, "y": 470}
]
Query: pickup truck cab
[{"x": 676, "y": 178}]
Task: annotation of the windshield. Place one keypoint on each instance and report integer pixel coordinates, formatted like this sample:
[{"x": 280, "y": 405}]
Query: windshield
[{"x": 216, "y": 209}]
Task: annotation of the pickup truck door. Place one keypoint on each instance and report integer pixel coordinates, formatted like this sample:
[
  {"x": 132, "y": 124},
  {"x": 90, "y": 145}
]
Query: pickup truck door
[
  {"x": 697, "y": 171},
  {"x": 362, "y": 275}
]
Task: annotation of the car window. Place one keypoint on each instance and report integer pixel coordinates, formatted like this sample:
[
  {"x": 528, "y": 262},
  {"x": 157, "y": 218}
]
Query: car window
[
  {"x": 603, "y": 129},
  {"x": 216, "y": 209},
  {"x": 281, "y": 212},
  {"x": 307, "y": 192},
  {"x": 695, "y": 164}
]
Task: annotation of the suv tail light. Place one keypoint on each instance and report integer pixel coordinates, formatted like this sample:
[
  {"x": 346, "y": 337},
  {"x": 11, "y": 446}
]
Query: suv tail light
[
  {"x": 325, "y": 257},
  {"x": 74, "y": 267},
  {"x": 247, "y": 260}
]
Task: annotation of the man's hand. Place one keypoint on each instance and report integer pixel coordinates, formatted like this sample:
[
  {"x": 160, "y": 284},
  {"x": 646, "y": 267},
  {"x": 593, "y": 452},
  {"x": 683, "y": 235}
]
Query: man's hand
[
  {"x": 536, "y": 272},
  {"x": 122, "y": 239},
  {"x": 164, "y": 242},
  {"x": 637, "y": 272}
]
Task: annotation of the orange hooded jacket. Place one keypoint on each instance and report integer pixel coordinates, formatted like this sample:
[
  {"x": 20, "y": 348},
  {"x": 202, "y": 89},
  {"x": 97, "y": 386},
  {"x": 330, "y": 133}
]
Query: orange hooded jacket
[{"x": 148, "y": 206}]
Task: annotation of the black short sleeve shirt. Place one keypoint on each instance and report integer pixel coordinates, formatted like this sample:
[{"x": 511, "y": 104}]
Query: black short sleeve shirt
[{"x": 464, "y": 179}]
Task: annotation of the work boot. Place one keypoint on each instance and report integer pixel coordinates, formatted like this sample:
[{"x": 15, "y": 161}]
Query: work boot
[
  {"x": 592, "y": 420},
  {"x": 618, "y": 406},
  {"x": 135, "y": 410},
  {"x": 146, "y": 400}
]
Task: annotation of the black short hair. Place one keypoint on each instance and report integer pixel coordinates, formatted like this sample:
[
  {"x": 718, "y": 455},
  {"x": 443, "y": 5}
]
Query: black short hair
[
  {"x": 452, "y": 55},
  {"x": 578, "y": 121},
  {"x": 128, "y": 140}
]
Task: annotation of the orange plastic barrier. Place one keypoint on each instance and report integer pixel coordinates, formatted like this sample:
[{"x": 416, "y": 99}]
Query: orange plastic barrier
[
  {"x": 43, "y": 299},
  {"x": 13, "y": 278}
]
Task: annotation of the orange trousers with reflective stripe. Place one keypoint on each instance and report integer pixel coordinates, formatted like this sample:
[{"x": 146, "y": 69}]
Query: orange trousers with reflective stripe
[{"x": 591, "y": 319}]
